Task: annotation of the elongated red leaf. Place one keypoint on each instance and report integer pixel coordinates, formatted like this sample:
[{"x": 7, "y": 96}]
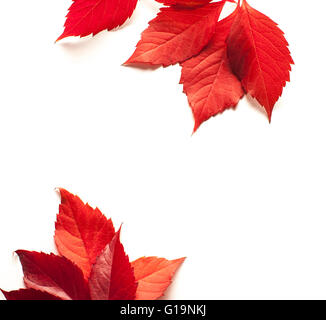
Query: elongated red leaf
[
  {"x": 112, "y": 277},
  {"x": 87, "y": 17},
  {"x": 208, "y": 80},
  {"x": 185, "y": 3},
  {"x": 176, "y": 35},
  {"x": 81, "y": 232},
  {"x": 259, "y": 55},
  {"x": 154, "y": 276},
  {"x": 28, "y": 294},
  {"x": 54, "y": 275}
]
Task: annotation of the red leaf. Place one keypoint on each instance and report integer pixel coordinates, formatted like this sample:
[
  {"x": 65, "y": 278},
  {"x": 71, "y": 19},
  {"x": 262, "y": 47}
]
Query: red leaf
[
  {"x": 154, "y": 276},
  {"x": 81, "y": 232},
  {"x": 28, "y": 294},
  {"x": 176, "y": 35},
  {"x": 54, "y": 275},
  {"x": 259, "y": 55},
  {"x": 112, "y": 277},
  {"x": 87, "y": 17},
  {"x": 185, "y": 3},
  {"x": 208, "y": 80}
]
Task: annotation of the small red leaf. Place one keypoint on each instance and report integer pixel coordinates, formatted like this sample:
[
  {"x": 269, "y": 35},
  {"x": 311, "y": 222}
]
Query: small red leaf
[
  {"x": 259, "y": 55},
  {"x": 154, "y": 276},
  {"x": 112, "y": 277},
  {"x": 81, "y": 232},
  {"x": 28, "y": 294},
  {"x": 176, "y": 35},
  {"x": 87, "y": 17},
  {"x": 54, "y": 275},
  {"x": 208, "y": 80}
]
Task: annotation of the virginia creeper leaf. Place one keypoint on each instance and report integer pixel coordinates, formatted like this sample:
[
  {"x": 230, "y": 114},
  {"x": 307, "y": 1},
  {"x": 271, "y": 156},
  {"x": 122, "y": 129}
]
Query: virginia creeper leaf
[
  {"x": 176, "y": 35},
  {"x": 154, "y": 276},
  {"x": 81, "y": 232},
  {"x": 54, "y": 275},
  {"x": 28, "y": 294},
  {"x": 87, "y": 17},
  {"x": 112, "y": 277},
  {"x": 259, "y": 56},
  {"x": 208, "y": 80}
]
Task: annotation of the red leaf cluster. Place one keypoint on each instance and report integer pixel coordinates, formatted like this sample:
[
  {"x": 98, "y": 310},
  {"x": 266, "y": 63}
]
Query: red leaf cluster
[
  {"x": 92, "y": 263},
  {"x": 221, "y": 60}
]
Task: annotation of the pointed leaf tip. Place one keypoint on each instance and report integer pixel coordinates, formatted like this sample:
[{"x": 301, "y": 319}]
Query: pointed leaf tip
[{"x": 81, "y": 232}]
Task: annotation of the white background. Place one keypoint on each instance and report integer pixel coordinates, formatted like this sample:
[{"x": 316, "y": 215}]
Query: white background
[{"x": 243, "y": 199}]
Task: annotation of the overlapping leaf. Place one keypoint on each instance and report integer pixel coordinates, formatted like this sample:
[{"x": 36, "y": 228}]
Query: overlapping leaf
[
  {"x": 28, "y": 294},
  {"x": 81, "y": 232},
  {"x": 154, "y": 276},
  {"x": 208, "y": 80},
  {"x": 176, "y": 35},
  {"x": 259, "y": 56},
  {"x": 54, "y": 275},
  {"x": 77, "y": 275},
  {"x": 112, "y": 276}
]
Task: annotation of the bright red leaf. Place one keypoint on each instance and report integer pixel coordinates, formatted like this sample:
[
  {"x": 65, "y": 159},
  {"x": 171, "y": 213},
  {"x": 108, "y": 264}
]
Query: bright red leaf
[
  {"x": 176, "y": 35},
  {"x": 112, "y": 277},
  {"x": 54, "y": 275},
  {"x": 81, "y": 232},
  {"x": 28, "y": 294},
  {"x": 87, "y": 17},
  {"x": 208, "y": 80},
  {"x": 154, "y": 276},
  {"x": 259, "y": 56}
]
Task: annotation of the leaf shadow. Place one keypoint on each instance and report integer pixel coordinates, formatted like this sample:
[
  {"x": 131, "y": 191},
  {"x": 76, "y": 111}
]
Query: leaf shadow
[
  {"x": 169, "y": 291},
  {"x": 152, "y": 4},
  {"x": 255, "y": 105},
  {"x": 79, "y": 46},
  {"x": 82, "y": 46},
  {"x": 142, "y": 66}
]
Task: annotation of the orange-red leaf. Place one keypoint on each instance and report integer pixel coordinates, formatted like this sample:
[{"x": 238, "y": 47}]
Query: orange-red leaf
[
  {"x": 176, "y": 35},
  {"x": 112, "y": 277},
  {"x": 54, "y": 275},
  {"x": 208, "y": 81},
  {"x": 154, "y": 276},
  {"x": 81, "y": 232},
  {"x": 87, "y": 17},
  {"x": 259, "y": 55},
  {"x": 28, "y": 294}
]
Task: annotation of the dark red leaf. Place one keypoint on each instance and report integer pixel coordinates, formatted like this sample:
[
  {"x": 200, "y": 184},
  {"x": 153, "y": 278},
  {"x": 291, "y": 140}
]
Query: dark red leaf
[
  {"x": 54, "y": 275},
  {"x": 112, "y": 277},
  {"x": 28, "y": 294}
]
